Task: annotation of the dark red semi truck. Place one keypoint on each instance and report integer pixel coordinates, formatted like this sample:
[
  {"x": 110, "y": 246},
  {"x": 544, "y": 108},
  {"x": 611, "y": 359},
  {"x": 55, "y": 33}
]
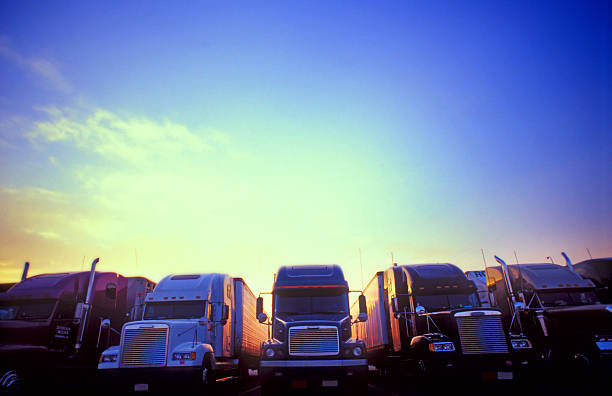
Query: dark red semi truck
[{"x": 52, "y": 322}]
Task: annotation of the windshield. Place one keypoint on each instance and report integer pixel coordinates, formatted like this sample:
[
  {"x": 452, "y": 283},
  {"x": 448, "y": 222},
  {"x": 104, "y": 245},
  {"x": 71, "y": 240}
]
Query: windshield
[
  {"x": 441, "y": 302},
  {"x": 559, "y": 299},
  {"x": 305, "y": 302},
  {"x": 26, "y": 310},
  {"x": 175, "y": 310}
]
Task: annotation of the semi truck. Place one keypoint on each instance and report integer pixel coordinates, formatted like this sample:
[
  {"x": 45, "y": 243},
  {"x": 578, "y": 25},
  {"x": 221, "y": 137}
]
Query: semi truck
[
  {"x": 426, "y": 320},
  {"x": 195, "y": 329},
  {"x": 311, "y": 344},
  {"x": 559, "y": 312},
  {"x": 598, "y": 271},
  {"x": 54, "y": 326}
]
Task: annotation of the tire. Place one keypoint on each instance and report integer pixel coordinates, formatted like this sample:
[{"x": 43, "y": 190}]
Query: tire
[
  {"x": 11, "y": 382},
  {"x": 207, "y": 374}
]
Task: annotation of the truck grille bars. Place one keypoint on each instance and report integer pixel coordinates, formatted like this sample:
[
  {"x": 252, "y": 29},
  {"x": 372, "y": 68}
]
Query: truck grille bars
[
  {"x": 144, "y": 346},
  {"x": 481, "y": 332},
  {"x": 313, "y": 341}
]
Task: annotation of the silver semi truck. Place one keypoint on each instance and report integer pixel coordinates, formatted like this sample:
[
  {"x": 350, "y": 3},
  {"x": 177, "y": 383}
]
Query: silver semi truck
[{"x": 194, "y": 329}]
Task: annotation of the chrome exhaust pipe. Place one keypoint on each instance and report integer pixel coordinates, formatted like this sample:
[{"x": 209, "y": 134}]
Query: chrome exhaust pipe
[
  {"x": 568, "y": 262},
  {"x": 86, "y": 306},
  {"x": 506, "y": 275},
  {"x": 26, "y": 268}
]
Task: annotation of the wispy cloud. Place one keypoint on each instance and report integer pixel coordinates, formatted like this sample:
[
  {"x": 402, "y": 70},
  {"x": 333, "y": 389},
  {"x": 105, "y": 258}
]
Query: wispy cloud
[
  {"x": 39, "y": 66},
  {"x": 132, "y": 139}
]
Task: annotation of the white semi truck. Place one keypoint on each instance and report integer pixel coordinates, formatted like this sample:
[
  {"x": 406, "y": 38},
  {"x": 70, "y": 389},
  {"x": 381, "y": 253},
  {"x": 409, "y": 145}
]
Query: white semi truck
[{"x": 194, "y": 329}]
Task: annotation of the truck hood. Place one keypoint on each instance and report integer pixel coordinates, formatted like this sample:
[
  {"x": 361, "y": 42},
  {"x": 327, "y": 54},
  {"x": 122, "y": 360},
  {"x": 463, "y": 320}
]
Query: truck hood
[
  {"x": 584, "y": 320},
  {"x": 27, "y": 332},
  {"x": 182, "y": 331}
]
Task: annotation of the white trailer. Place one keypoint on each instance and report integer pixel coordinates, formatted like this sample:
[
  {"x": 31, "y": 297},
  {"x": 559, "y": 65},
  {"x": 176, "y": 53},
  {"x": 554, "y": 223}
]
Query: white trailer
[{"x": 196, "y": 327}]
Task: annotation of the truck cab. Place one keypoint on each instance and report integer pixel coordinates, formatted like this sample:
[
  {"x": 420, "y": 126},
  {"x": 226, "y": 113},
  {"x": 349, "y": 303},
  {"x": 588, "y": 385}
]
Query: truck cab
[
  {"x": 192, "y": 331},
  {"x": 312, "y": 344},
  {"x": 437, "y": 324},
  {"x": 559, "y": 311},
  {"x": 62, "y": 320}
]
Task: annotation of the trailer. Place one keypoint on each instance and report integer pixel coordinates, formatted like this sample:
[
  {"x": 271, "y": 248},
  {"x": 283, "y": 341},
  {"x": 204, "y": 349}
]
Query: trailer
[
  {"x": 426, "y": 319},
  {"x": 312, "y": 345},
  {"x": 480, "y": 281},
  {"x": 598, "y": 271},
  {"x": 195, "y": 329},
  {"x": 559, "y": 311},
  {"x": 54, "y": 326}
]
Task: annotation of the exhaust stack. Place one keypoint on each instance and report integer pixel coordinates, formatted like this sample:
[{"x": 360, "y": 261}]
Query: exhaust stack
[
  {"x": 86, "y": 306},
  {"x": 506, "y": 274},
  {"x": 568, "y": 262},
  {"x": 26, "y": 268}
]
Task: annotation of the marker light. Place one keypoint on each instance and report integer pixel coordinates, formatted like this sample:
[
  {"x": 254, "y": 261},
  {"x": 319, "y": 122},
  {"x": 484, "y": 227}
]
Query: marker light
[{"x": 442, "y": 347}]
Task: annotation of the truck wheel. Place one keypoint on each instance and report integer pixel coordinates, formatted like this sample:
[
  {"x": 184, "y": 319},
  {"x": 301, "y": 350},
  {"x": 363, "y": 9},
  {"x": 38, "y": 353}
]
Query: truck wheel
[
  {"x": 10, "y": 381},
  {"x": 207, "y": 376}
]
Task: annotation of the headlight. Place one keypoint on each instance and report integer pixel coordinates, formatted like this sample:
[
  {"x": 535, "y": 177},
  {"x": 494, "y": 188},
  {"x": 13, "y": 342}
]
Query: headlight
[
  {"x": 357, "y": 351},
  {"x": 269, "y": 353},
  {"x": 184, "y": 356},
  {"x": 108, "y": 358},
  {"x": 520, "y": 343},
  {"x": 441, "y": 347}
]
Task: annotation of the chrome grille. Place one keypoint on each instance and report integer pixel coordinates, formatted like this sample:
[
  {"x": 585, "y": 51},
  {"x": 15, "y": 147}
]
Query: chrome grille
[
  {"x": 144, "y": 347},
  {"x": 313, "y": 341},
  {"x": 482, "y": 333}
]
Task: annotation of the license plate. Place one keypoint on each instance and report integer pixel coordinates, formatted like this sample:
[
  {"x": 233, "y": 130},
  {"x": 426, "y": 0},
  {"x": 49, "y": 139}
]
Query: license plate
[
  {"x": 504, "y": 375},
  {"x": 298, "y": 384},
  {"x": 141, "y": 387},
  {"x": 329, "y": 383}
]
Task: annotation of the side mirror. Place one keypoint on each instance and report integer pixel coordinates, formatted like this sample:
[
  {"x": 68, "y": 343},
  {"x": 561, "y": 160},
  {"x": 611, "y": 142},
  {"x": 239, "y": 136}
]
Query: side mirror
[
  {"x": 225, "y": 315},
  {"x": 211, "y": 312},
  {"x": 519, "y": 306},
  {"x": 363, "y": 309},
  {"x": 420, "y": 310},
  {"x": 395, "y": 305},
  {"x": 259, "y": 306},
  {"x": 105, "y": 324}
]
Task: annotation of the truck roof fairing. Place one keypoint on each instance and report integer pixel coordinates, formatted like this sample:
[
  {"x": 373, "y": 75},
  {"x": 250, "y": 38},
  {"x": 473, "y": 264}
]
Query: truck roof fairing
[
  {"x": 305, "y": 276},
  {"x": 185, "y": 287},
  {"x": 545, "y": 276},
  {"x": 436, "y": 278},
  {"x": 51, "y": 285}
]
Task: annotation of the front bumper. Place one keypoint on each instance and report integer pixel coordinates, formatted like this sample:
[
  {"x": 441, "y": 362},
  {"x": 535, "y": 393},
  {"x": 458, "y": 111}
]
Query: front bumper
[
  {"x": 154, "y": 377},
  {"x": 340, "y": 373}
]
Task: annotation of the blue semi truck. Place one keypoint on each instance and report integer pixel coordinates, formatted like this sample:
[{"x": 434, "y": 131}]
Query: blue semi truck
[{"x": 312, "y": 345}]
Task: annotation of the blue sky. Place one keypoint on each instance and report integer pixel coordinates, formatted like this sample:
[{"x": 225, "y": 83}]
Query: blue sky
[{"x": 297, "y": 132}]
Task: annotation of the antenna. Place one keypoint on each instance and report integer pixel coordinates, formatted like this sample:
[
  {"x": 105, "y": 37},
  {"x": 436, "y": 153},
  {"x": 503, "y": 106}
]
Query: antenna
[
  {"x": 589, "y": 252},
  {"x": 520, "y": 278},
  {"x": 393, "y": 263},
  {"x": 486, "y": 276},
  {"x": 361, "y": 266}
]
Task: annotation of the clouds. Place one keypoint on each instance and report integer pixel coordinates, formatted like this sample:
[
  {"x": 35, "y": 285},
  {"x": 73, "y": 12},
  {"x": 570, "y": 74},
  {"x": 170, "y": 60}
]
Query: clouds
[
  {"x": 136, "y": 140},
  {"x": 43, "y": 68}
]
